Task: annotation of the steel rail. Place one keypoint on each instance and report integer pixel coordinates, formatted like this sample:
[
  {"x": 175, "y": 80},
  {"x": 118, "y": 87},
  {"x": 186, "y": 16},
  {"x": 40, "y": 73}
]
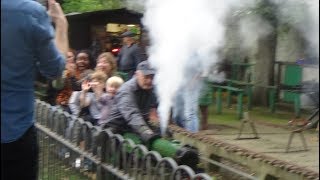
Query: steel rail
[{"x": 229, "y": 168}]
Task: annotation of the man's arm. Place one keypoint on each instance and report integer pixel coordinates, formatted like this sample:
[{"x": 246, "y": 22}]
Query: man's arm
[
  {"x": 128, "y": 108},
  {"x": 61, "y": 26},
  {"x": 84, "y": 99},
  {"x": 125, "y": 101},
  {"x": 49, "y": 51},
  {"x": 138, "y": 55}
]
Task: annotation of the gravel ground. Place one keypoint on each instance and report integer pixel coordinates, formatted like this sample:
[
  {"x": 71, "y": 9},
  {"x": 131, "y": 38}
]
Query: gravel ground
[{"x": 273, "y": 141}]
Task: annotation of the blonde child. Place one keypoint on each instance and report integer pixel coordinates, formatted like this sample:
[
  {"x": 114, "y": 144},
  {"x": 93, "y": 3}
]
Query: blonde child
[{"x": 112, "y": 86}]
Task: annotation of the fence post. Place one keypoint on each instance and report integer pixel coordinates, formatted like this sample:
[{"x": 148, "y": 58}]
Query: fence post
[
  {"x": 183, "y": 172},
  {"x": 151, "y": 159}
]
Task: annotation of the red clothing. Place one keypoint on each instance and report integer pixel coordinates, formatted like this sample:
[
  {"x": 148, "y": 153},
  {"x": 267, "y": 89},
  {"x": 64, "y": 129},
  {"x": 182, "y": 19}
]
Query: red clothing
[{"x": 65, "y": 94}]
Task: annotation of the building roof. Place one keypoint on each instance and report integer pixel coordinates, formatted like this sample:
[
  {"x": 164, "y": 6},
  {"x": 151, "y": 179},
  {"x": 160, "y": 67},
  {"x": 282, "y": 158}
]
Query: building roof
[{"x": 114, "y": 13}]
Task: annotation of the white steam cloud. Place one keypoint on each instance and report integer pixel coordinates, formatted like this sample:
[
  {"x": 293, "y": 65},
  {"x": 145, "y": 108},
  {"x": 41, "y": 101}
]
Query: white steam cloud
[
  {"x": 181, "y": 30},
  {"x": 182, "y": 33},
  {"x": 252, "y": 28}
]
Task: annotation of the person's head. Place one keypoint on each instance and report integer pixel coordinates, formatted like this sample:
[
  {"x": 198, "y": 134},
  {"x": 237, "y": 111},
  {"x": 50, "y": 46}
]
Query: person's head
[
  {"x": 113, "y": 84},
  {"x": 70, "y": 56},
  {"x": 128, "y": 37},
  {"x": 144, "y": 75},
  {"x": 85, "y": 76},
  {"x": 70, "y": 61},
  {"x": 97, "y": 80},
  {"x": 106, "y": 62},
  {"x": 83, "y": 60}
]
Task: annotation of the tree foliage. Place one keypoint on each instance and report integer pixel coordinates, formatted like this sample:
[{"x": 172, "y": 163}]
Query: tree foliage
[
  {"x": 90, "y": 5},
  {"x": 275, "y": 12}
]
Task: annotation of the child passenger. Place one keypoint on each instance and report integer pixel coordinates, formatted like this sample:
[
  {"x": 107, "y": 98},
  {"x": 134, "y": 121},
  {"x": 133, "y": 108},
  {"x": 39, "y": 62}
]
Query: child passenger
[
  {"x": 92, "y": 99},
  {"x": 112, "y": 86},
  {"x": 74, "y": 101}
]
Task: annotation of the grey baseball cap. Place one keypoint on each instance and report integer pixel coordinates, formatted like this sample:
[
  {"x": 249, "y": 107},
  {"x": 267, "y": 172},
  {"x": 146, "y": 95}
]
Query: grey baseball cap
[
  {"x": 145, "y": 68},
  {"x": 128, "y": 34}
]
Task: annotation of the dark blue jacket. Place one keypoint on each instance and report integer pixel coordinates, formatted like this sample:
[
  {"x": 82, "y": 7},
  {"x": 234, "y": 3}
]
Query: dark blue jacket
[{"x": 128, "y": 59}]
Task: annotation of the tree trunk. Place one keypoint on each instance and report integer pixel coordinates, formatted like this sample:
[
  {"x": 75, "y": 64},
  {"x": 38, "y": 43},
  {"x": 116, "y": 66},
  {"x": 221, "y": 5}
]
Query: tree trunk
[{"x": 264, "y": 68}]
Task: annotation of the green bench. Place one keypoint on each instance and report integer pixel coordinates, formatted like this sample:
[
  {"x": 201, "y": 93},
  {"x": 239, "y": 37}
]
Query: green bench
[
  {"x": 291, "y": 76},
  {"x": 218, "y": 89},
  {"x": 242, "y": 78},
  {"x": 273, "y": 99},
  {"x": 247, "y": 88}
]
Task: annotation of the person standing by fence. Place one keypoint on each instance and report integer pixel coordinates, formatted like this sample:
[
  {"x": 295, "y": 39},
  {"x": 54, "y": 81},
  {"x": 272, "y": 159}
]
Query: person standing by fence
[{"x": 28, "y": 43}]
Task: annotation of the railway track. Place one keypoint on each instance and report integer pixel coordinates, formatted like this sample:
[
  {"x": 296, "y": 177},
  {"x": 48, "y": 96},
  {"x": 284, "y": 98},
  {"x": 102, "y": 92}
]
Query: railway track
[{"x": 200, "y": 141}]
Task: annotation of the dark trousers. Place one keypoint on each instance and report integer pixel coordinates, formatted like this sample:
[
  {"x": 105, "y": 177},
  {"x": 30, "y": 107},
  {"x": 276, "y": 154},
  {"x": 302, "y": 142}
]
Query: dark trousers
[
  {"x": 19, "y": 159},
  {"x": 204, "y": 117}
]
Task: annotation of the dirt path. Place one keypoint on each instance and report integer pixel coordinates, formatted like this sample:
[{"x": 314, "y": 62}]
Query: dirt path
[{"x": 273, "y": 141}]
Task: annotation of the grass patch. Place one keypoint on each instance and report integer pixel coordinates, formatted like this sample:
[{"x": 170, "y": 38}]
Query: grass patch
[{"x": 262, "y": 114}]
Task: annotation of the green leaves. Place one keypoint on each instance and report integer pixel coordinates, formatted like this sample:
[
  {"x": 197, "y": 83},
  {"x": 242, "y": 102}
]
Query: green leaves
[{"x": 90, "y": 5}]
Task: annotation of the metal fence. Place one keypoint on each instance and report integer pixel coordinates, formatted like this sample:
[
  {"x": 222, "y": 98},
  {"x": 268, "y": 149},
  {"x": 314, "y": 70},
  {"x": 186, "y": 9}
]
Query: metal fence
[{"x": 71, "y": 148}]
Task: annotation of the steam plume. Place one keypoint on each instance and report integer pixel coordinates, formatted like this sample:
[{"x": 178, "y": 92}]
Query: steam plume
[
  {"x": 251, "y": 29},
  {"x": 182, "y": 29},
  {"x": 179, "y": 30}
]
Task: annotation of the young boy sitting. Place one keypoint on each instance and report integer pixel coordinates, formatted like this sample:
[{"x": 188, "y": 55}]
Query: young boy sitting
[{"x": 112, "y": 86}]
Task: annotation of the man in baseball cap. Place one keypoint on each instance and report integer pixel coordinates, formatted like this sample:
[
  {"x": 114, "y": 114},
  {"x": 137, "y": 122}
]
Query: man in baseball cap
[
  {"x": 127, "y": 34},
  {"x": 134, "y": 104},
  {"x": 145, "y": 68},
  {"x": 130, "y": 54},
  {"x": 144, "y": 75}
]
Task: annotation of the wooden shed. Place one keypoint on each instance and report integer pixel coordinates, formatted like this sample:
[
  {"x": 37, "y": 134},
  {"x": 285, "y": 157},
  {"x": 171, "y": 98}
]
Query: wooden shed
[{"x": 84, "y": 28}]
